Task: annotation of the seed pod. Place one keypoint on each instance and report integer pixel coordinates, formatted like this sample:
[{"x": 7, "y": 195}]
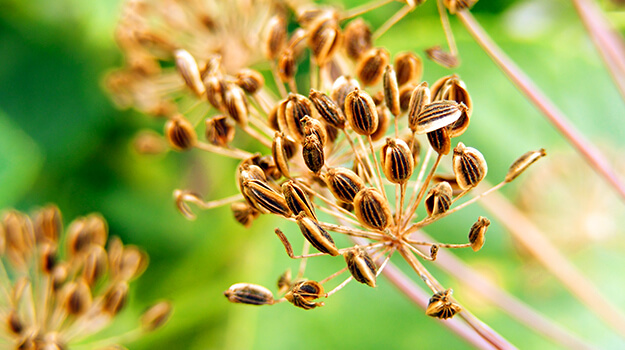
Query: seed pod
[
  {"x": 115, "y": 298},
  {"x": 251, "y": 294},
  {"x": 265, "y": 199},
  {"x": 250, "y": 80},
  {"x": 361, "y": 266},
  {"x": 384, "y": 122},
  {"x": 275, "y": 37},
  {"x": 47, "y": 224},
  {"x": 236, "y": 104},
  {"x": 371, "y": 66},
  {"x": 284, "y": 282},
  {"x": 59, "y": 275},
  {"x": 248, "y": 171},
  {"x": 455, "y": 6},
  {"x": 279, "y": 154},
  {"x": 344, "y": 184},
  {"x": 372, "y": 209},
  {"x": 312, "y": 152},
  {"x": 439, "y": 140},
  {"x": 303, "y": 293},
  {"x": 78, "y": 298},
  {"x": 523, "y": 163},
  {"x": 272, "y": 117},
  {"x": 357, "y": 38},
  {"x": 419, "y": 98},
  {"x": 94, "y": 265},
  {"x": 15, "y": 325},
  {"x": 180, "y": 133},
  {"x": 328, "y": 110},
  {"x": 469, "y": 166},
  {"x": 286, "y": 66},
  {"x": 47, "y": 257},
  {"x": 439, "y": 56},
  {"x": 441, "y": 306},
  {"x": 405, "y": 92},
  {"x": 438, "y": 200},
  {"x": 244, "y": 213},
  {"x": 128, "y": 265},
  {"x": 316, "y": 235},
  {"x": 297, "y": 199},
  {"x": 269, "y": 167},
  {"x": 212, "y": 66},
  {"x": 409, "y": 68},
  {"x": 397, "y": 161},
  {"x": 290, "y": 115},
  {"x": 332, "y": 132},
  {"x": 188, "y": 69},
  {"x": 454, "y": 89},
  {"x": 438, "y": 114},
  {"x": 391, "y": 91},
  {"x": 315, "y": 127},
  {"x": 84, "y": 232},
  {"x": 219, "y": 130},
  {"x": 156, "y": 316},
  {"x": 341, "y": 87},
  {"x": 477, "y": 233},
  {"x": 361, "y": 112},
  {"x": 297, "y": 42},
  {"x": 215, "y": 90},
  {"x": 324, "y": 38}
]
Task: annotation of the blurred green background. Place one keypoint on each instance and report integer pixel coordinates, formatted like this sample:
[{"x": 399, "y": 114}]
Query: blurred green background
[{"x": 62, "y": 141}]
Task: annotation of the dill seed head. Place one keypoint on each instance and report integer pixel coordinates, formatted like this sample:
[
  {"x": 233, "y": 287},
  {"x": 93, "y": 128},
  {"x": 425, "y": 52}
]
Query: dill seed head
[
  {"x": 361, "y": 266},
  {"x": 357, "y": 38},
  {"x": 328, "y": 110},
  {"x": 250, "y": 80},
  {"x": 303, "y": 293},
  {"x": 251, "y": 294},
  {"x": 244, "y": 213},
  {"x": 478, "y": 232},
  {"x": 190, "y": 72},
  {"x": 397, "y": 161},
  {"x": 523, "y": 163},
  {"x": 361, "y": 112},
  {"x": 442, "y": 306},
  {"x": 219, "y": 130},
  {"x": 371, "y": 66},
  {"x": 391, "y": 91},
  {"x": 469, "y": 166},
  {"x": 316, "y": 235},
  {"x": 438, "y": 200},
  {"x": 180, "y": 133},
  {"x": 372, "y": 209},
  {"x": 409, "y": 68},
  {"x": 344, "y": 184}
]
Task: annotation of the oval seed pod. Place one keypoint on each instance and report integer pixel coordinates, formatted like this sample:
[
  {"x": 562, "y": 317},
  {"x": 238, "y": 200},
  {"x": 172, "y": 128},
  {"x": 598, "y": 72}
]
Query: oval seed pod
[
  {"x": 275, "y": 36},
  {"x": 303, "y": 293},
  {"x": 215, "y": 89},
  {"x": 397, "y": 161},
  {"x": 250, "y": 80},
  {"x": 361, "y": 266},
  {"x": 47, "y": 224},
  {"x": 115, "y": 298},
  {"x": 454, "y": 89},
  {"x": 297, "y": 42},
  {"x": 405, "y": 92},
  {"x": 441, "y": 306},
  {"x": 344, "y": 184},
  {"x": 391, "y": 91},
  {"x": 478, "y": 232},
  {"x": 409, "y": 68},
  {"x": 438, "y": 114},
  {"x": 439, "y": 140},
  {"x": 219, "y": 130},
  {"x": 265, "y": 198},
  {"x": 312, "y": 152},
  {"x": 328, "y": 110},
  {"x": 297, "y": 199},
  {"x": 324, "y": 38},
  {"x": 95, "y": 264},
  {"x": 272, "y": 117},
  {"x": 156, "y": 316},
  {"x": 236, "y": 104},
  {"x": 279, "y": 153},
  {"x": 180, "y": 133},
  {"x": 316, "y": 235},
  {"x": 315, "y": 127},
  {"x": 295, "y": 109},
  {"x": 469, "y": 166},
  {"x": 47, "y": 257},
  {"x": 249, "y": 171},
  {"x": 441, "y": 57},
  {"x": 419, "y": 98},
  {"x": 523, "y": 163},
  {"x": 84, "y": 232},
  {"x": 286, "y": 66},
  {"x": 361, "y": 112},
  {"x": 250, "y": 294},
  {"x": 357, "y": 38},
  {"x": 78, "y": 298},
  {"x": 372, "y": 209},
  {"x": 244, "y": 213},
  {"x": 384, "y": 122},
  {"x": 341, "y": 87},
  {"x": 371, "y": 66},
  {"x": 187, "y": 68},
  {"x": 438, "y": 200}
]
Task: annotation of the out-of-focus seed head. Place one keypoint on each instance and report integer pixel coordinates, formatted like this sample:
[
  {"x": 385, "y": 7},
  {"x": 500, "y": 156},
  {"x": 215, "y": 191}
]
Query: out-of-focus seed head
[
  {"x": 455, "y": 6},
  {"x": 408, "y": 67},
  {"x": 438, "y": 200},
  {"x": 156, "y": 316},
  {"x": 188, "y": 69},
  {"x": 315, "y": 127},
  {"x": 372, "y": 209},
  {"x": 236, "y": 104},
  {"x": 397, "y": 161},
  {"x": 83, "y": 232},
  {"x": 523, "y": 163},
  {"x": 371, "y": 64},
  {"x": 469, "y": 166},
  {"x": 180, "y": 133},
  {"x": 275, "y": 36},
  {"x": 341, "y": 87},
  {"x": 48, "y": 224},
  {"x": 265, "y": 198},
  {"x": 220, "y": 130},
  {"x": 357, "y": 38},
  {"x": 95, "y": 264},
  {"x": 441, "y": 57},
  {"x": 316, "y": 235},
  {"x": 244, "y": 213},
  {"x": 77, "y": 298},
  {"x": 250, "y": 80},
  {"x": 384, "y": 122},
  {"x": 391, "y": 91},
  {"x": 442, "y": 306},
  {"x": 344, "y": 184},
  {"x": 115, "y": 298},
  {"x": 478, "y": 232},
  {"x": 361, "y": 112},
  {"x": 361, "y": 266},
  {"x": 327, "y": 108},
  {"x": 303, "y": 293},
  {"x": 286, "y": 65},
  {"x": 438, "y": 114},
  {"x": 419, "y": 98},
  {"x": 312, "y": 152},
  {"x": 324, "y": 38},
  {"x": 297, "y": 199},
  {"x": 439, "y": 140}
]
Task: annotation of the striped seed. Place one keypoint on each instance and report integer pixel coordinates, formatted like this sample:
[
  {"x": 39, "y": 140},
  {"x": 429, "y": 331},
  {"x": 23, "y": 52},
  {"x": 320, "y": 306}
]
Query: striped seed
[
  {"x": 361, "y": 266},
  {"x": 361, "y": 112},
  {"x": 250, "y": 80},
  {"x": 523, "y": 163},
  {"x": 297, "y": 199},
  {"x": 478, "y": 232},
  {"x": 180, "y": 133},
  {"x": 409, "y": 68},
  {"x": 265, "y": 198},
  {"x": 236, "y": 104},
  {"x": 275, "y": 36},
  {"x": 469, "y": 166},
  {"x": 328, "y": 110},
  {"x": 441, "y": 306},
  {"x": 312, "y": 152},
  {"x": 344, "y": 184},
  {"x": 244, "y": 213},
  {"x": 219, "y": 130},
  {"x": 438, "y": 200},
  {"x": 341, "y": 87},
  {"x": 419, "y": 98},
  {"x": 324, "y": 38},
  {"x": 439, "y": 140},
  {"x": 372, "y": 210},
  {"x": 280, "y": 153},
  {"x": 397, "y": 161},
  {"x": 441, "y": 57},
  {"x": 436, "y": 115},
  {"x": 391, "y": 91},
  {"x": 316, "y": 235},
  {"x": 357, "y": 38},
  {"x": 303, "y": 293},
  {"x": 251, "y": 294},
  {"x": 188, "y": 69},
  {"x": 370, "y": 67}
]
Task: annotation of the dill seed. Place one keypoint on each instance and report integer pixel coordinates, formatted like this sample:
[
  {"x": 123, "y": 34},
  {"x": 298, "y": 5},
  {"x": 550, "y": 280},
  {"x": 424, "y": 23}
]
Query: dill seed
[
  {"x": 523, "y": 163},
  {"x": 316, "y": 235},
  {"x": 286, "y": 66},
  {"x": 361, "y": 266},
  {"x": 244, "y": 213},
  {"x": 361, "y": 112},
  {"x": 303, "y": 293},
  {"x": 265, "y": 198},
  {"x": 328, "y": 110},
  {"x": 409, "y": 68},
  {"x": 371, "y": 66},
  {"x": 439, "y": 140},
  {"x": 478, "y": 232},
  {"x": 436, "y": 115},
  {"x": 275, "y": 37},
  {"x": 297, "y": 199},
  {"x": 156, "y": 316},
  {"x": 438, "y": 200},
  {"x": 324, "y": 38},
  {"x": 372, "y": 209},
  {"x": 312, "y": 152},
  {"x": 397, "y": 161},
  {"x": 215, "y": 90},
  {"x": 441, "y": 57},
  {"x": 342, "y": 87},
  {"x": 344, "y": 184},
  {"x": 391, "y": 91},
  {"x": 357, "y": 38},
  {"x": 279, "y": 153},
  {"x": 469, "y": 166},
  {"x": 419, "y": 98},
  {"x": 180, "y": 133},
  {"x": 250, "y": 80},
  {"x": 441, "y": 306},
  {"x": 188, "y": 69},
  {"x": 236, "y": 104},
  {"x": 219, "y": 130},
  {"x": 251, "y": 294}
]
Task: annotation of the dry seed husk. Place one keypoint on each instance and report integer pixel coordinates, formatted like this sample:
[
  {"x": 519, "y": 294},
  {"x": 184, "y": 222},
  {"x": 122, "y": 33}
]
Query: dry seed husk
[
  {"x": 188, "y": 69},
  {"x": 312, "y": 152},
  {"x": 244, "y": 213},
  {"x": 523, "y": 163},
  {"x": 180, "y": 133},
  {"x": 280, "y": 154},
  {"x": 316, "y": 235},
  {"x": 236, "y": 104},
  {"x": 438, "y": 200},
  {"x": 297, "y": 199},
  {"x": 341, "y": 87},
  {"x": 372, "y": 209},
  {"x": 361, "y": 266},
  {"x": 315, "y": 127},
  {"x": 419, "y": 98},
  {"x": 361, "y": 112},
  {"x": 286, "y": 66},
  {"x": 469, "y": 166},
  {"x": 290, "y": 119},
  {"x": 371, "y": 64},
  {"x": 357, "y": 38},
  {"x": 303, "y": 293},
  {"x": 438, "y": 114},
  {"x": 441, "y": 306},
  {"x": 250, "y": 294},
  {"x": 478, "y": 232},
  {"x": 215, "y": 90},
  {"x": 328, "y": 110},
  {"x": 391, "y": 91},
  {"x": 454, "y": 89},
  {"x": 324, "y": 38},
  {"x": 47, "y": 224},
  {"x": 265, "y": 198},
  {"x": 441, "y": 57},
  {"x": 156, "y": 316},
  {"x": 409, "y": 68},
  {"x": 384, "y": 122},
  {"x": 439, "y": 140},
  {"x": 275, "y": 37},
  {"x": 219, "y": 130},
  {"x": 250, "y": 80},
  {"x": 344, "y": 184},
  {"x": 397, "y": 161}
]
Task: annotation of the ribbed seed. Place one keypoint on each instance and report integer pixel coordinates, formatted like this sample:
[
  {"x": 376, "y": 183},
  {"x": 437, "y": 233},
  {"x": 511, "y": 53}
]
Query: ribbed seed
[
  {"x": 180, "y": 133},
  {"x": 441, "y": 306},
  {"x": 316, "y": 235},
  {"x": 438, "y": 200},
  {"x": 361, "y": 266},
  {"x": 397, "y": 161},
  {"x": 265, "y": 198},
  {"x": 236, "y": 104},
  {"x": 188, "y": 69},
  {"x": 291, "y": 113},
  {"x": 115, "y": 298},
  {"x": 303, "y": 293},
  {"x": 372, "y": 210},
  {"x": 478, "y": 232},
  {"x": 249, "y": 171},
  {"x": 324, "y": 38},
  {"x": 275, "y": 37},
  {"x": 469, "y": 166},
  {"x": 441, "y": 57},
  {"x": 453, "y": 89},
  {"x": 250, "y": 80},
  {"x": 371, "y": 66},
  {"x": 391, "y": 91},
  {"x": 344, "y": 184},
  {"x": 312, "y": 152},
  {"x": 341, "y": 87},
  {"x": 244, "y": 213},
  {"x": 219, "y": 130},
  {"x": 439, "y": 140},
  {"x": 419, "y": 98},
  {"x": 357, "y": 38},
  {"x": 78, "y": 298},
  {"x": 409, "y": 68},
  {"x": 438, "y": 114},
  {"x": 297, "y": 199},
  {"x": 361, "y": 112},
  {"x": 328, "y": 110},
  {"x": 251, "y": 294},
  {"x": 315, "y": 127},
  {"x": 280, "y": 154},
  {"x": 286, "y": 66},
  {"x": 523, "y": 163}
]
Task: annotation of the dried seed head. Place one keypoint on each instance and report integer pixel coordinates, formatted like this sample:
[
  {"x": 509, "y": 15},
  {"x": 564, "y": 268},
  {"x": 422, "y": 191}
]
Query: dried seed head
[
  {"x": 290, "y": 116},
  {"x": 303, "y": 293},
  {"x": 469, "y": 166},
  {"x": 219, "y": 130},
  {"x": 115, "y": 298},
  {"x": 297, "y": 199},
  {"x": 84, "y": 232},
  {"x": 275, "y": 37},
  {"x": 357, "y": 38},
  {"x": 361, "y": 112},
  {"x": 441, "y": 306},
  {"x": 315, "y": 127},
  {"x": 77, "y": 298},
  {"x": 372, "y": 209},
  {"x": 397, "y": 161},
  {"x": 250, "y": 80},
  {"x": 439, "y": 140},
  {"x": 180, "y": 133},
  {"x": 286, "y": 66},
  {"x": 236, "y": 104},
  {"x": 316, "y": 235},
  {"x": 344, "y": 184},
  {"x": 453, "y": 89},
  {"x": 244, "y": 213},
  {"x": 48, "y": 224},
  {"x": 409, "y": 68},
  {"x": 438, "y": 200},
  {"x": 361, "y": 266},
  {"x": 477, "y": 233},
  {"x": 328, "y": 110},
  {"x": 391, "y": 91},
  {"x": 419, "y": 98},
  {"x": 438, "y": 114},
  {"x": 324, "y": 38},
  {"x": 215, "y": 90},
  {"x": 280, "y": 154},
  {"x": 156, "y": 316},
  {"x": 95, "y": 264},
  {"x": 371, "y": 66},
  {"x": 441, "y": 57},
  {"x": 384, "y": 121},
  {"x": 265, "y": 198},
  {"x": 284, "y": 282},
  {"x": 341, "y": 87},
  {"x": 455, "y": 6},
  {"x": 312, "y": 152},
  {"x": 523, "y": 163},
  {"x": 188, "y": 69}
]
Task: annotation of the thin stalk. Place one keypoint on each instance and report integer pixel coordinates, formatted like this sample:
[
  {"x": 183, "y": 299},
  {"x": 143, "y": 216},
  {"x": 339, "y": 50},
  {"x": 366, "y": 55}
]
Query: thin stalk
[
  {"x": 362, "y": 9},
  {"x": 228, "y": 152},
  {"x": 391, "y": 21},
  {"x": 377, "y": 167}
]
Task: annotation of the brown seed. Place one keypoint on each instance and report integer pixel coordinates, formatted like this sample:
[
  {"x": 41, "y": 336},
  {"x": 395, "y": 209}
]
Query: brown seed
[
  {"x": 341, "y": 87},
  {"x": 115, "y": 298},
  {"x": 279, "y": 153},
  {"x": 244, "y": 213},
  {"x": 188, "y": 69},
  {"x": 303, "y": 293},
  {"x": 405, "y": 92},
  {"x": 265, "y": 199},
  {"x": 391, "y": 91},
  {"x": 438, "y": 114},
  {"x": 249, "y": 171},
  {"x": 236, "y": 104},
  {"x": 439, "y": 140},
  {"x": 297, "y": 42},
  {"x": 478, "y": 232},
  {"x": 441, "y": 306},
  {"x": 19, "y": 237},
  {"x": 47, "y": 257},
  {"x": 59, "y": 275},
  {"x": 316, "y": 235},
  {"x": 397, "y": 161},
  {"x": 297, "y": 199},
  {"x": 16, "y": 326},
  {"x": 409, "y": 68},
  {"x": 275, "y": 37},
  {"x": 332, "y": 132},
  {"x": 324, "y": 38},
  {"x": 272, "y": 117},
  {"x": 455, "y": 6},
  {"x": 454, "y": 89},
  {"x": 384, "y": 122},
  {"x": 48, "y": 224},
  {"x": 250, "y": 80},
  {"x": 419, "y": 98},
  {"x": 372, "y": 209},
  {"x": 156, "y": 316},
  {"x": 469, "y": 166},
  {"x": 315, "y": 127},
  {"x": 523, "y": 163},
  {"x": 312, "y": 152},
  {"x": 95, "y": 264},
  {"x": 441, "y": 57},
  {"x": 130, "y": 264},
  {"x": 286, "y": 66},
  {"x": 344, "y": 184},
  {"x": 180, "y": 133},
  {"x": 357, "y": 38},
  {"x": 371, "y": 66},
  {"x": 250, "y": 294},
  {"x": 438, "y": 200},
  {"x": 78, "y": 298},
  {"x": 290, "y": 116},
  {"x": 219, "y": 130},
  {"x": 361, "y": 266},
  {"x": 328, "y": 110},
  {"x": 84, "y": 232},
  {"x": 361, "y": 112},
  {"x": 215, "y": 90},
  {"x": 284, "y": 282}
]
